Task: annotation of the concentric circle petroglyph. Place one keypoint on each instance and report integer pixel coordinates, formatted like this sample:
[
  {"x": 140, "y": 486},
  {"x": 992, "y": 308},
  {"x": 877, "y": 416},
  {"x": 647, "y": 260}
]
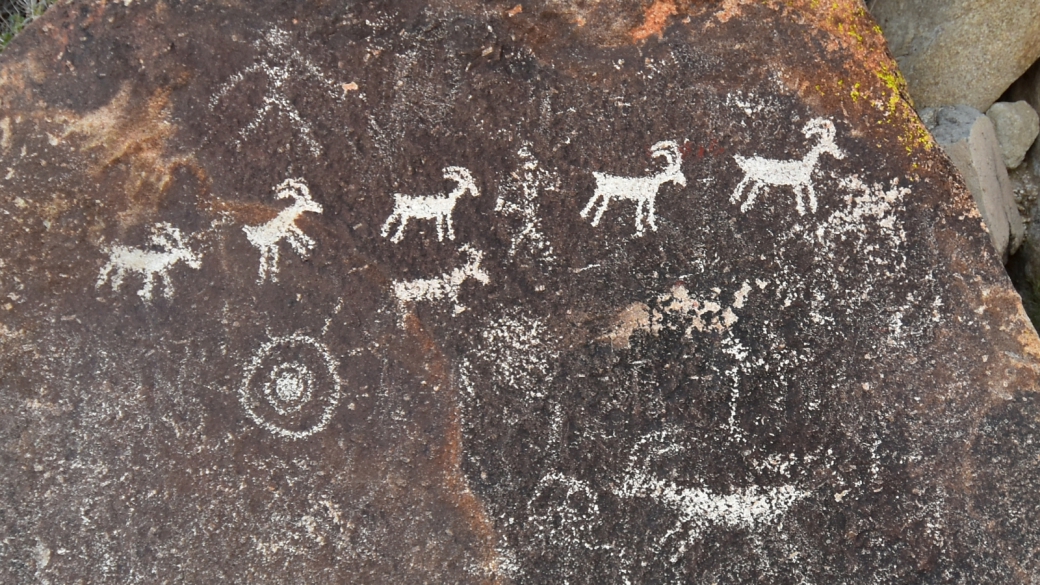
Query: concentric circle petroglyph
[{"x": 291, "y": 387}]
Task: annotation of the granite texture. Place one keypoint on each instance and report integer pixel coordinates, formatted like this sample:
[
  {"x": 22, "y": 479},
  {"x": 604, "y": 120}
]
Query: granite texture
[
  {"x": 1017, "y": 126},
  {"x": 960, "y": 52}
]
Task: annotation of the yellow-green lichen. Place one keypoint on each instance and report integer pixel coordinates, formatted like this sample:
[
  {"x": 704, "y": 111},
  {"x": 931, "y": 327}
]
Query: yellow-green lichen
[
  {"x": 915, "y": 134},
  {"x": 896, "y": 84},
  {"x": 855, "y": 93}
]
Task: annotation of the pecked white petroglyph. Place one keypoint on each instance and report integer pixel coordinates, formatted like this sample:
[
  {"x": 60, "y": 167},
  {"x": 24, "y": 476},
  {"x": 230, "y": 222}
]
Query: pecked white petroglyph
[
  {"x": 166, "y": 248},
  {"x": 267, "y": 236}
]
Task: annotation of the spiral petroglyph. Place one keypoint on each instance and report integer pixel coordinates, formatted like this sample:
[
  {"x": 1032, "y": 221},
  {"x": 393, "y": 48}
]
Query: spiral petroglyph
[{"x": 291, "y": 387}]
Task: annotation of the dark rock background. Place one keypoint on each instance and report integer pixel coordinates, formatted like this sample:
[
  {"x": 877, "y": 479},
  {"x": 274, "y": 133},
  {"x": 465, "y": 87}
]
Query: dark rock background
[{"x": 866, "y": 414}]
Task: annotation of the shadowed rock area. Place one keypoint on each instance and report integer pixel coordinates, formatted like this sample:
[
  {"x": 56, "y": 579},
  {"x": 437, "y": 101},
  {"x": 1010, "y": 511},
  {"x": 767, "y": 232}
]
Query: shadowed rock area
[{"x": 483, "y": 292}]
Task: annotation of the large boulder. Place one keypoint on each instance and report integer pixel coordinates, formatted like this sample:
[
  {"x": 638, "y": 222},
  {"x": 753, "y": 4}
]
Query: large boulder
[
  {"x": 485, "y": 292},
  {"x": 960, "y": 51},
  {"x": 971, "y": 142}
]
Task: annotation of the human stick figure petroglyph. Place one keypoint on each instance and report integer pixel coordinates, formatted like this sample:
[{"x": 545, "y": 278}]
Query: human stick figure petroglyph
[
  {"x": 519, "y": 198},
  {"x": 445, "y": 286},
  {"x": 436, "y": 207},
  {"x": 169, "y": 248},
  {"x": 283, "y": 227},
  {"x": 282, "y": 65},
  {"x": 642, "y": 190},
  {"x": 791, "y": 173}
]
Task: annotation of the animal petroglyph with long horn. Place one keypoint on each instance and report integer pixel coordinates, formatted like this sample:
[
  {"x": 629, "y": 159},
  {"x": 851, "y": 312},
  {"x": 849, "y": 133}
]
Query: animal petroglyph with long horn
[{"x": 760, "y": 171}]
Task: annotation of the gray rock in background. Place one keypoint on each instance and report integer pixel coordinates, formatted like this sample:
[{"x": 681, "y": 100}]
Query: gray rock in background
[
  {"x": 970, "y": 140},
  {"x": 960, "y": 51},
  {"x": 1017, "y": 125}
]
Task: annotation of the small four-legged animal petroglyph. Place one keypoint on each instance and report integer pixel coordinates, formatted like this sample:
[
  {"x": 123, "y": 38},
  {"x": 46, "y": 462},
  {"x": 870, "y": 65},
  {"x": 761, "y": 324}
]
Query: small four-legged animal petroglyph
[
  {"x": 445, "y": 286},
  {"x": 169, "y": 248},
  {"x": 760, "y": 171},
  {"x": 642, "y": 190},
  {"x": 283, "y": 227},
  {"x": 436, "y": 207}
]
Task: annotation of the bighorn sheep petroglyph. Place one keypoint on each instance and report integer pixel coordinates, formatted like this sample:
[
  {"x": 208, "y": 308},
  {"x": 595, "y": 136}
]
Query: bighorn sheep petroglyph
[
  {"x": 792, "y": 173},
  {"x": 169, "y": 248},
  {"x": 283, "y": 227},
  {"x": 445, "y": 286},
  {"x": 642, "y": 190},
  {"x": 436, "y": 207}
]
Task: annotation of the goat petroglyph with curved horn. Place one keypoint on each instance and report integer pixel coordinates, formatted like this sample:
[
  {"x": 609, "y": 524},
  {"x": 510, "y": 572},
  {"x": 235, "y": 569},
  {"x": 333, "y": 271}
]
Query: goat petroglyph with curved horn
[
  {"x": 436, "y": 207},
  {"x": 168, "y": 249},
  {"x": 445, "y": 286},
  {"x": 642, "y": 190},
  {"x": 266, "y": 236},
  {"x": 760, "y": 171}
]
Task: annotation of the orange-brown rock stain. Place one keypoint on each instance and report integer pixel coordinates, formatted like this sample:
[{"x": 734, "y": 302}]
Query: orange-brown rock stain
[
  {"x": 241, "y": 212},
  {"x": 655, "y": 18},
  {"x": 449, "y": 458},
  {"x": 127, "y": 141}
]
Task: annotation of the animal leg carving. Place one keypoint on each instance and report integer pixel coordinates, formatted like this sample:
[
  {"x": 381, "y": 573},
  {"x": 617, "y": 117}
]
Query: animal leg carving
[
  {"x": 604, "y": 201},
  {"x": 440, "y": 228},
  {"x": 149, "y": 285},
  {"x": 735, "y": 197},
  {"x": 640, "y": 217},
  {"x": 449, "y": 226},
  {"x": 812, "y": 196},
  {"x": 752, "y": 193},
  {"x": 389, "y": 222},
  {"x": 167, "y": 286},
  {"x": 105, "y": 271},
  {"x": 584, "y": 213}
]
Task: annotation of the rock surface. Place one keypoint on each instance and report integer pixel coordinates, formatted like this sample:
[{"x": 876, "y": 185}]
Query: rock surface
[
  {"x": 960, "y": 51},
  {"x": 970, "y": 140},
  {"x": 477, "y": 292},
  {"x": 1017, "y": 126},
  {"x": 1027, "y": 87}
]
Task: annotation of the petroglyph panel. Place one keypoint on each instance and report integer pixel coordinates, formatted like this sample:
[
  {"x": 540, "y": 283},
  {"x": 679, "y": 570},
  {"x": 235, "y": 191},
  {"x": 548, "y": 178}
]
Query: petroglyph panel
[{"x": 406, "y": 292}]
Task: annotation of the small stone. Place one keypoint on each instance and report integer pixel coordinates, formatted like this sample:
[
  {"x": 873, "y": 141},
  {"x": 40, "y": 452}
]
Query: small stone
[
  {"x": 969, "y": 139},
  {"x": 1017, "y": 125}
]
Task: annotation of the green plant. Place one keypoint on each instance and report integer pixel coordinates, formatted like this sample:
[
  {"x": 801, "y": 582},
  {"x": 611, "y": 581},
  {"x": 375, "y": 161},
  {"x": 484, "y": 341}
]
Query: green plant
[{"x": 16, "y": 14}]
